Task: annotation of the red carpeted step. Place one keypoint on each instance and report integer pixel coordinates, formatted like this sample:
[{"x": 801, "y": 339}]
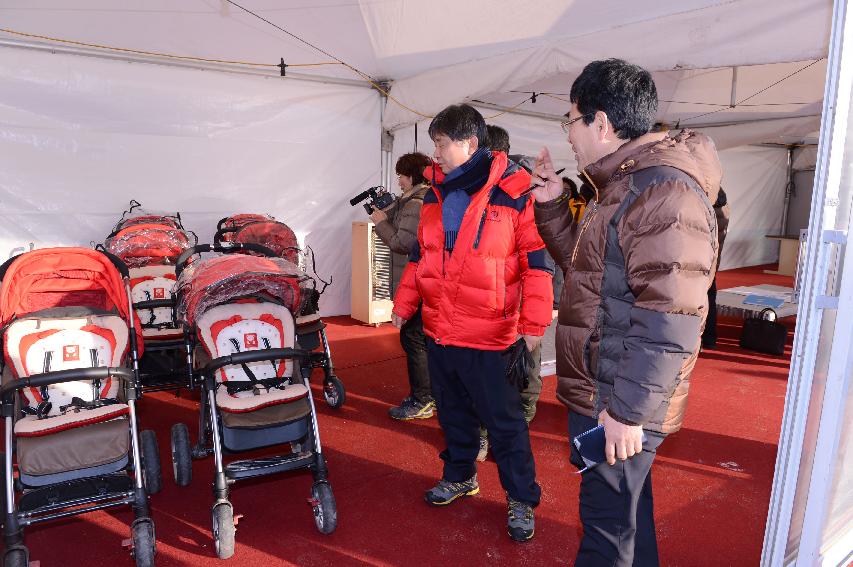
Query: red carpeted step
[{"x": 712, "y": 480}]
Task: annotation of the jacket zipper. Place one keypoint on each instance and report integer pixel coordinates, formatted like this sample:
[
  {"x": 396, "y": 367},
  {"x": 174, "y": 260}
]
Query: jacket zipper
[
  {"x": 587, "y": 217},
  {"x": 586, "y": 222}
]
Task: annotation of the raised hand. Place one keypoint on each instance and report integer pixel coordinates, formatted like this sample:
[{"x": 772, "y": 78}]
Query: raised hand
[{"x": 548, "y": 185}]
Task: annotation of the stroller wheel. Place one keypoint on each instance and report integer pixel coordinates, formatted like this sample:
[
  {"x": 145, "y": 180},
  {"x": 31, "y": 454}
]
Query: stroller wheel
[
  {"x": 325, "y": 508},
  {"x": 334, "y": 392},
  {"x": 152, "y": 477},
  {"x": 142, "y": 532},
  {"x": 223, "y": 529},
  {"x": 182, "y": 465},
  {"x": 16, "y": 556}
]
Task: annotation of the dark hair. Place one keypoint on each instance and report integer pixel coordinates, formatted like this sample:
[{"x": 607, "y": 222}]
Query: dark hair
[
  {"x": 458, "y": 122},
  {"x": 498, "y": 138},
  {"x": 412, "y": 165},
  {"x": 625, "y": 92},
  {"x": 573, "y": 188}
]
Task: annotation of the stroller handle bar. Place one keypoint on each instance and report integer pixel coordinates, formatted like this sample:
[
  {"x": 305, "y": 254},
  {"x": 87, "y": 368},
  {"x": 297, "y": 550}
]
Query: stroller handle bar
[
  {"x": 254, "y": 356},
  {"x": 222, "y": 247},
  {"x": 154, "y": 304},
  {"x": 220, "y": 232},
  {"x": 73, "y": 375}
]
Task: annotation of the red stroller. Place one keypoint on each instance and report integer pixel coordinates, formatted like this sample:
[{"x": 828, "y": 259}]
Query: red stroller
[
  {"x": 150, "y": 245},
  {"x": 254, "y": 394},
  {"x": 70, "y": 348},
  {"x": 310, "y": 329}
]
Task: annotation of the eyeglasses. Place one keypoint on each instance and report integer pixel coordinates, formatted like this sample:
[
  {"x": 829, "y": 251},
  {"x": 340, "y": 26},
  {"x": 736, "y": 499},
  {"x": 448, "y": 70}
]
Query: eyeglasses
[{"x": 566, "y": 124}]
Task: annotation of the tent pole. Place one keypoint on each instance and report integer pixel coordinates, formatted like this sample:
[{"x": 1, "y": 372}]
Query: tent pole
[
  {"x": 153, "y": 60},
  {"x": 789, "y": 190},
  {"x": 733, "y": 101}
]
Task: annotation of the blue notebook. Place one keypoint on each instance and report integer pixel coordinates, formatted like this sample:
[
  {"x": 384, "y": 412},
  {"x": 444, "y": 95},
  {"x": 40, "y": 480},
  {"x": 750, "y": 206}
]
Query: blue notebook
[
  {"x": 590, "y": 445},
  {"x": 773, "y": 302}
]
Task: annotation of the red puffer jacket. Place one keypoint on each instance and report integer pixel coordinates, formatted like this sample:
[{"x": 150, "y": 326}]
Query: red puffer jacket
[{"x": 496, "y": 283}]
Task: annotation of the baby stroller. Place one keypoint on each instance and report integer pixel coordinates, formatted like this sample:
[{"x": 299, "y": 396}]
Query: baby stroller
[
  {"x": 254, "y": 394},
  {"x": 67, "y": 332},
  {"x": 310, "y": 329},
  {"x": 150, "y": 244}
]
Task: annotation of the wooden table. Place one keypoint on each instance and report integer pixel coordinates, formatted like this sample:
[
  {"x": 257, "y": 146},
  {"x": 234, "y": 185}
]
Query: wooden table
[{"x": 789, "y": 252}]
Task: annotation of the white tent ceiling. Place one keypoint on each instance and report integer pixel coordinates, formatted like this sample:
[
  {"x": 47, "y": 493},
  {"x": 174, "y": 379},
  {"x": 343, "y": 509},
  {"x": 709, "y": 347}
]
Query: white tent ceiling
[{"x": 445, "y": 51}]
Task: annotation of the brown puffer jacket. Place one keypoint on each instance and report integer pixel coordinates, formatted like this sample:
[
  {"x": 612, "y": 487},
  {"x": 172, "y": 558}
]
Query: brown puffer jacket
[
  {"x": 400, "y": 231},
  {"x": 629, "y": 328}
]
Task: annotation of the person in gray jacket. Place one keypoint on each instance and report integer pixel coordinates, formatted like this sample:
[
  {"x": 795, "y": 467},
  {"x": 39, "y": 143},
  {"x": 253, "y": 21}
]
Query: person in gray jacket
[{"x": 397, "y": 226}]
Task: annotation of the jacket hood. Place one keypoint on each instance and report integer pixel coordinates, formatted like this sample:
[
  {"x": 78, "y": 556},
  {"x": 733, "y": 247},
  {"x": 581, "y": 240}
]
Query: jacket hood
[{"x": 689, "y": 151}]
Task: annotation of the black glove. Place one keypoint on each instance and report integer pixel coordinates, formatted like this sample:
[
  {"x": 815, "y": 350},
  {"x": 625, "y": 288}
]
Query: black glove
[{"x": 519, "y": 365}]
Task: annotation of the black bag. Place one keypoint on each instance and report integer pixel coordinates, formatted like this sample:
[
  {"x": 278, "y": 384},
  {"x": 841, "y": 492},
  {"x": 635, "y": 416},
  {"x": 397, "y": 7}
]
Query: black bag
[{"x": 763, "y": 335}]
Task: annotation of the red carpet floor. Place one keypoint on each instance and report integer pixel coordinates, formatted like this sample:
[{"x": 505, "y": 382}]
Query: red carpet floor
[{"x": 711, "y": 480}]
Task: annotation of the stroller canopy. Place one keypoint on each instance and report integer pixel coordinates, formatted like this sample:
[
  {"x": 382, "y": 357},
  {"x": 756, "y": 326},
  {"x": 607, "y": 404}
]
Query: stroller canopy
[
  {"x": 62, "y": 277},
  {"x": 167, "y": 220},
  {"x": 151, "y": 242},
  {"x": 263, "y": 230},
  {"x": 223, "y": 279},
  {"x": 242, "y": 219}
]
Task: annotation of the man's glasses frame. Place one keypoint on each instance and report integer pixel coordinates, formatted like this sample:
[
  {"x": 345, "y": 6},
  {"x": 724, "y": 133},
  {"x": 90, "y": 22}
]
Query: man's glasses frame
[{"x": 566, "y": 124}]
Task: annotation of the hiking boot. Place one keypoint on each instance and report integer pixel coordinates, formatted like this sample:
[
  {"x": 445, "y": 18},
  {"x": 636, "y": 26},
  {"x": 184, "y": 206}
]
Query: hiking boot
[
  {"x": 484, "y": 448},
  {"x": 412, "y": 408},
  {"x": 446, "y": 492},
  {"x": 520, "y": 523}
]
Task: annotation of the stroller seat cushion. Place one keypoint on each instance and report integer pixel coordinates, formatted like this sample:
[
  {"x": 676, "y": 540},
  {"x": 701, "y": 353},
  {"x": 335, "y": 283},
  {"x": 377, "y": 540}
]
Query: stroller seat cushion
[
  {"x": 150, "y": 283},
  {"x": 80, "y": 447},
  {"x": 244, "y": 327},
  {"x": 31, "y": 426},
  {"x": 36, "y": 345},
  {"x": 244, "y": 402}
]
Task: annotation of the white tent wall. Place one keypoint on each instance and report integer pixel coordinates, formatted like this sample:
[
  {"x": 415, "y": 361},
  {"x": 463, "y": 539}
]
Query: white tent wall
[
  {"x": 754, "y": 180},
  {"x": 753, "y": 177},
  {"x": 80, "y": 137}
]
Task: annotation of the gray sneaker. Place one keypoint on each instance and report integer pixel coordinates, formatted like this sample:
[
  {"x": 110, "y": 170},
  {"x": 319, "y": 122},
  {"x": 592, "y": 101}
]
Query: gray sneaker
[
  {"x": 484, "y": 448},
  {"x": 446, "y": 492},
  {"x": 520, "y": 523},
  {"x": 412, "y": 408}
]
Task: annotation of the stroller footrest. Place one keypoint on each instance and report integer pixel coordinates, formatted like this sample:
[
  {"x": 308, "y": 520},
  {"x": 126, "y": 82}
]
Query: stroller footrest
[
  {"x": 75, "y": 491},
  {"x": 249, "y": 468}
]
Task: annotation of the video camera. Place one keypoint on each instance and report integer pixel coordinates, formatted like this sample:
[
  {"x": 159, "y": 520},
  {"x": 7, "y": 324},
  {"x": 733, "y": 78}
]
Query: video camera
[{"x": 379, "y": 197}]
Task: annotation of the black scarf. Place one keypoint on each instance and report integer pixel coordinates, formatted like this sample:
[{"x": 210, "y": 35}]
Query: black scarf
[{"x": 470, "y": 176}]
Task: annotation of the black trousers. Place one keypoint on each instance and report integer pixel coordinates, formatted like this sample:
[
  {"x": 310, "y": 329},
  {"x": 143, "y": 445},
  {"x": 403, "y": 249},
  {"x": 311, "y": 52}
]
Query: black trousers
[
  {"x": 470, "y": 387},
  {"x": 616, "y": 506},
  {"x": 709, "y": 335},
  {"x": 413, "y": 340}
]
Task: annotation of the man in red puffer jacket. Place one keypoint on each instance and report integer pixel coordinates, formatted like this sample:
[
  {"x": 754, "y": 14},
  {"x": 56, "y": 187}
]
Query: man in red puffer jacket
[{"x": 479, "y": 268}]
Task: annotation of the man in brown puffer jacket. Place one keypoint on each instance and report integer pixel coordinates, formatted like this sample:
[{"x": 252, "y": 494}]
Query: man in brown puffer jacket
[{"x": 637, "y": 271}]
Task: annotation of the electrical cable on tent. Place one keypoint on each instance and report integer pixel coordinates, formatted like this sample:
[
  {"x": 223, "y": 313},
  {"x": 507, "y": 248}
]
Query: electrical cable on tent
[
  {"x": 160, "y": 54},
  {"x": 727, "y": 107},
  {"x": 282, "y": 66}
]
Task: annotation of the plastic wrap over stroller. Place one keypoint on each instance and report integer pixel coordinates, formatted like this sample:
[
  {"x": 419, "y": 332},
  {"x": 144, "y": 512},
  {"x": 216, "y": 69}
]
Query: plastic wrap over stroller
[
  {"x": 150, "y": 245},
  {"x": 310, "y": 328},
  {"x": 70, "y": 346},
  {"x": 254, "y": 394}
]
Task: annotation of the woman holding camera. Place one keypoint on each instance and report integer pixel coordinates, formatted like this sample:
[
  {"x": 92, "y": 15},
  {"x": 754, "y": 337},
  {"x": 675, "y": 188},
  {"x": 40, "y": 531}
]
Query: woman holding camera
[{"x": 397, "y": 226}]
